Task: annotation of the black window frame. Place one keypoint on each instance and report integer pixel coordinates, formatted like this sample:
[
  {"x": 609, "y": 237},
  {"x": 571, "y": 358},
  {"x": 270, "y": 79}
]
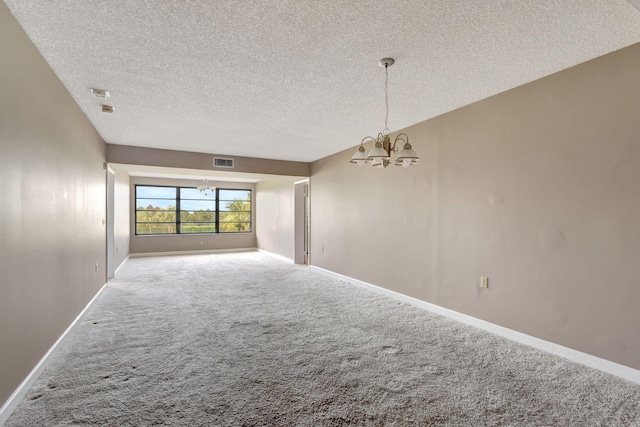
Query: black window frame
[
  {"x": 178, "y": 222},
  {"x": 179, "y": 212}
]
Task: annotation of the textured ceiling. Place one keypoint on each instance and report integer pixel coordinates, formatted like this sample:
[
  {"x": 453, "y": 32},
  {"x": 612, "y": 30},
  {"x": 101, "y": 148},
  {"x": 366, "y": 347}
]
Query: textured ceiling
[{"x": 298, "y": 79}]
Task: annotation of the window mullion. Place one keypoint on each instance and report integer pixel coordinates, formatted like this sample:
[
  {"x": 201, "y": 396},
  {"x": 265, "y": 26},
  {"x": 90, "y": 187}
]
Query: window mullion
[
  {"x": 217, "y": 210},
  {"x": 178, "y": 224}
]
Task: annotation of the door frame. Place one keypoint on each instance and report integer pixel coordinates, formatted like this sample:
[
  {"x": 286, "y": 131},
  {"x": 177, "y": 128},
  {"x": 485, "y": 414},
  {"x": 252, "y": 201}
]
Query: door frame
[
  {"x": 111, "y": 179},
  {"x": 301, "y": 204}
]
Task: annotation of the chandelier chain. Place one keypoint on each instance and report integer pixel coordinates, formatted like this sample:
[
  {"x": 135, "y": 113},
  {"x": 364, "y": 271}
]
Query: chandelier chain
[{"x": 386, "y": 98}]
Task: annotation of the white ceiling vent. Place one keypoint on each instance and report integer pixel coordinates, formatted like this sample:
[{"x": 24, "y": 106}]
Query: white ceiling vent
[
  {"x": 219, "y": 162},
  {"x": 100, "y": 93}
]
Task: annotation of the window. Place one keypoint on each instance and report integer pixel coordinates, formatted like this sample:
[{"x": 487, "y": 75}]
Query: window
[
  {"x": 197, "y": 211},
  {"x": 235, "y": 211},
  {"x": 156, "y": 210},
  {"x": 186, "y": 210}
]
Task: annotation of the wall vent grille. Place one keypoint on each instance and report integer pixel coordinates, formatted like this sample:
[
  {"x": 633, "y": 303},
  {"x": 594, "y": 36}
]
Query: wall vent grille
[{"x": 219, "y": 162}]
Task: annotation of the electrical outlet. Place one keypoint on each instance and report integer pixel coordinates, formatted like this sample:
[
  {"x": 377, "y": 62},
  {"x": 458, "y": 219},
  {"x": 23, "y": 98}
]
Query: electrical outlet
[
  {"x": 96, "y": 267},
  {"x": 484, "y": 282}
]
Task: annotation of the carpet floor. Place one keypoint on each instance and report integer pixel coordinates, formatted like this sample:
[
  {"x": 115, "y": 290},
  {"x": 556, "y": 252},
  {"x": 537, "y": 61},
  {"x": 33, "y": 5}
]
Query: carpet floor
[{"x": 245, "y": 339}]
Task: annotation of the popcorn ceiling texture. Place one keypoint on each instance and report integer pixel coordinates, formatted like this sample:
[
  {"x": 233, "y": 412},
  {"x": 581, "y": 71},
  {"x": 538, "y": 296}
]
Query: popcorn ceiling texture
[
  {"x": 247, "y": 340},
  {"x": 298, "y": 79}
]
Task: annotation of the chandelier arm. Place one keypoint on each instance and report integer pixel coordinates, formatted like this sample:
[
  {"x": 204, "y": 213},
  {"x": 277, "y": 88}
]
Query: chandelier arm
[
  {"x": 367, "y": 138},
  {"x": 402, "y": 137}
]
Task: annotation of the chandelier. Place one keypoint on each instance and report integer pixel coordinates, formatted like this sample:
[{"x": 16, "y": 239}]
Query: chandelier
[
  {"x": 205, "y": 186},
  {"x": 380, "y": 154}
]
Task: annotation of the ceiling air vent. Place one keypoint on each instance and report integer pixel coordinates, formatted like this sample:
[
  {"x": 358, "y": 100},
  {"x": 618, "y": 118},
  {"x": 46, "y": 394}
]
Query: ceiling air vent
[
  {"x": 100, "y": 93},
  {"x": 219, "y": 162}
]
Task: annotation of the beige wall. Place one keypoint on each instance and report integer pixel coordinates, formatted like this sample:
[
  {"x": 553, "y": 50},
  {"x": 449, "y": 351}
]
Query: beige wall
[
  {"x": 537, "y": 188},
  {"x": 53, "y": 205},
  {"x": 185, "y": 242},
  {"x": 275, "y": 221},
  {"x": 182, "y": 159},
  {"x": 122, "y": 217}
]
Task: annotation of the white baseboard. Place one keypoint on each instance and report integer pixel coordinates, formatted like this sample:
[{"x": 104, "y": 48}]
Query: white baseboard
[
  {"x": 275, "y": 255},
  {"x": 124, "y": 261},
  {"x": 10, "y": 405},
  {"x": 195, "y": 252},
  {"x": 604, "y": 365}
]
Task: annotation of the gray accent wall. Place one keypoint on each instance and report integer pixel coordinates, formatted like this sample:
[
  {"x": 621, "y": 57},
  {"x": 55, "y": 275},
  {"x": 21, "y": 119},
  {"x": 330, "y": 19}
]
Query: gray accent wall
[
  {"x": 537, "y": 188},
  {"x": 125, "y": 154},
  {"x": 53, "y": 197}
]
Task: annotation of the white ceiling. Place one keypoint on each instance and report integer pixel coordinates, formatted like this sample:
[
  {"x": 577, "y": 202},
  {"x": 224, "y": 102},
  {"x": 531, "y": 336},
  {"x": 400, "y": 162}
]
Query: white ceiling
[{"x": 298, "y": 79}]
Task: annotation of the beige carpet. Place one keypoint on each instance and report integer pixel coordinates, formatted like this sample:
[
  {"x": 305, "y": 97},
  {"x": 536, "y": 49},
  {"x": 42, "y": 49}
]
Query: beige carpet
[{"x": 248, "y": 340}]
